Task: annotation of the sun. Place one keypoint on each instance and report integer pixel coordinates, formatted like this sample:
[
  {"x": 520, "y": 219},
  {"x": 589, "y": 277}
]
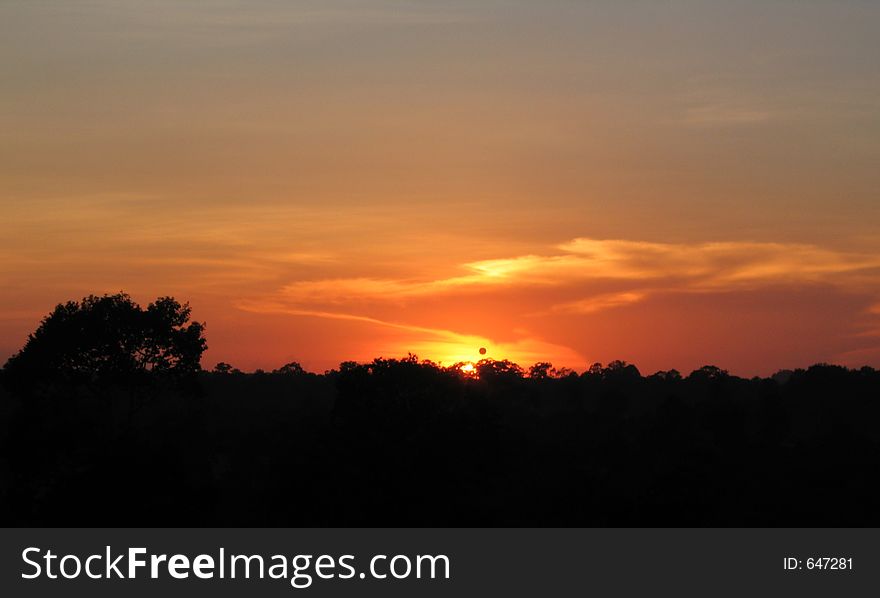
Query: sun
[{"x": 468, "y": 370}]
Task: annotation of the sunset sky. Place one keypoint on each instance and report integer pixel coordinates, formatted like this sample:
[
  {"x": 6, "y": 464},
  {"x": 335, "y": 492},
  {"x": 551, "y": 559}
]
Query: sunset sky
[{"x": 672, "y": 183}]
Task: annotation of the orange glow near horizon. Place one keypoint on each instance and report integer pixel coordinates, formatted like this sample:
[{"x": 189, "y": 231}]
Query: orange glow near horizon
[{"x": 749, "y": 307}]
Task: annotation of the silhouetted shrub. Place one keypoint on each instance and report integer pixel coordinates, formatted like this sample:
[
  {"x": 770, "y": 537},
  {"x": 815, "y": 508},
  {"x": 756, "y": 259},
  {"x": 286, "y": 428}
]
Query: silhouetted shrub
[{"x": 108, "y": 340}]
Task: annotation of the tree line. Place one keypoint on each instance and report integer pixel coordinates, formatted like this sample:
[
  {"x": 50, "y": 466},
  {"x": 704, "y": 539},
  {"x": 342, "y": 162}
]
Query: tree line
[{"x": 106, "y": 418}]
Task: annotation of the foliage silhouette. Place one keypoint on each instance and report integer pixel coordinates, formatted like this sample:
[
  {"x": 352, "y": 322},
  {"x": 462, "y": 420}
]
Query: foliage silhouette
[
  {"x": 291, "y": 369},
  {"x": 407, "y": 442},
  {"x": 109, "y": 339}
]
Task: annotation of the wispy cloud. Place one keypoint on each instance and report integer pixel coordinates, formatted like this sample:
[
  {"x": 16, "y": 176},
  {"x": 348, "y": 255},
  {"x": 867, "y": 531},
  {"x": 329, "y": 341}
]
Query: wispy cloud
[
  {"x": 444, "y": 346},
  {"x": 599, "y": 303},
  {"x": 643, "y": 266},
  {"x": 720, "y": 265}
]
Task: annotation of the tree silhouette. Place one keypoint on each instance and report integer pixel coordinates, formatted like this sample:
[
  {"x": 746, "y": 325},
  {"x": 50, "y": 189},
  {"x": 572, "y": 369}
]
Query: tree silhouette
[
  {"x": 541, "y": 370},
  {"x": 109, "y": 339},
  {"x": 708, "y": 372},
  {"x": 498, "y": 369},
  {"x": 290, "y": 369},
  {"x": 621, "y": 370},
  {"x": 224, "y": 368}
]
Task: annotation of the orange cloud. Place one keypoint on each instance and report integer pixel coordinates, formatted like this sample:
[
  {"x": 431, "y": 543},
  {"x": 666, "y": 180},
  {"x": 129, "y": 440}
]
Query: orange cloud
[
  {"x": 670, "y": 267},
  {"x": 599, "y": 303},
  {"x": 485, "y": 303}
]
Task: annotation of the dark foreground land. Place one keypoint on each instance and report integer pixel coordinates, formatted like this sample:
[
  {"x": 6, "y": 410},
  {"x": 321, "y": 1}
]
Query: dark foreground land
[{"x": 404, "y": 443}]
